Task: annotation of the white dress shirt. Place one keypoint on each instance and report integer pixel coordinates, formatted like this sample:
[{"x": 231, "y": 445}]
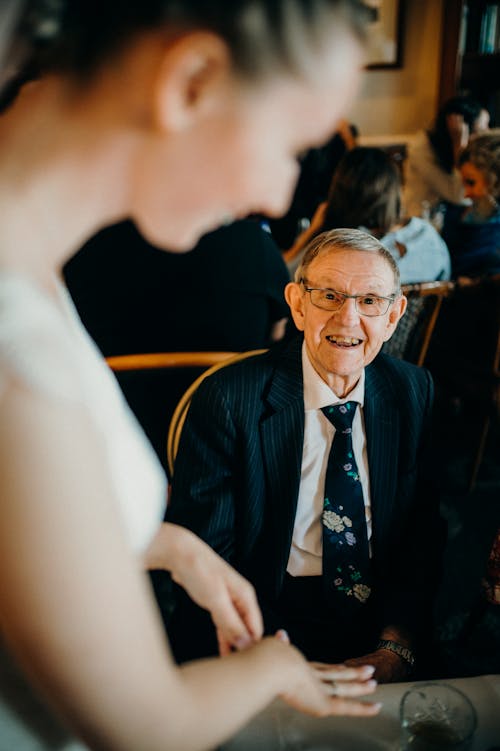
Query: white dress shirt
[{"x": 307, "y": 541}]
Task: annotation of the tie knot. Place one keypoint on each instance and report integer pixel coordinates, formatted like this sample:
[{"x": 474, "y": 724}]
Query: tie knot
[{"x": 341, "y": 415}]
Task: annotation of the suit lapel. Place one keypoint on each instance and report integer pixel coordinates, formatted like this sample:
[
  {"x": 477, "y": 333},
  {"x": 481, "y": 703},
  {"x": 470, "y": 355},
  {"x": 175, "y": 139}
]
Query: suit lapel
[
  {"x": 382, "y": 427},
  {"x": 282, "y": 438}
]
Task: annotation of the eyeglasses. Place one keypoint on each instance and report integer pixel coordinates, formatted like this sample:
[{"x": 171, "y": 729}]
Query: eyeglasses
[{"x": 331, "y": 300}]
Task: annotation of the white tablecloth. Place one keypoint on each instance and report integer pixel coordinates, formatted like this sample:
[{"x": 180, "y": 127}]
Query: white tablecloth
[{"x": 281, "y": 728}]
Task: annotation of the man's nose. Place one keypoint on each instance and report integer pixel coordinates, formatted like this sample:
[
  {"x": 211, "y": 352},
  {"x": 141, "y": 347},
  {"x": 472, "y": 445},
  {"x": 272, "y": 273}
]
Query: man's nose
[{"x": 348, "y": 312}]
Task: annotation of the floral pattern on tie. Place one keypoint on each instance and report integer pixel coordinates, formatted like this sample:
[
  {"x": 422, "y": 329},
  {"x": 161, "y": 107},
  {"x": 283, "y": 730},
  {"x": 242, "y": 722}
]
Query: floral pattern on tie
[
  {"x": 345, "y": 546},
  {"x": 349, "y": 582},
  {"x": 348, "y": 579},
  {"x": 338, "y": 527}
]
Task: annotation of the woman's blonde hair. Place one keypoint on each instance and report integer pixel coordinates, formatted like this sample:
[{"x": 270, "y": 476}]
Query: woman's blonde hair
[{"x": 483, "y": 151}]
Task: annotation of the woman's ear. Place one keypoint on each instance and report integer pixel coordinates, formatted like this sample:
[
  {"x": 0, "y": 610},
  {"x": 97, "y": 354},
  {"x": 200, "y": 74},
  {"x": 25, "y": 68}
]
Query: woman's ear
[
  {"x": 192, "y": 77},
  {"x": 295, "y": 299}
]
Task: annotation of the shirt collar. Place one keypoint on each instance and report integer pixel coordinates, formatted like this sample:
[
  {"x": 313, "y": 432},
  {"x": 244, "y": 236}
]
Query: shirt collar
[{"x": 318, "y": 394}]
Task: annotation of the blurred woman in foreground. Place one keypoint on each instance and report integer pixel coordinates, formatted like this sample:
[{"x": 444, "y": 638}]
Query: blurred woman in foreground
[{"x": 175, "y": 115}]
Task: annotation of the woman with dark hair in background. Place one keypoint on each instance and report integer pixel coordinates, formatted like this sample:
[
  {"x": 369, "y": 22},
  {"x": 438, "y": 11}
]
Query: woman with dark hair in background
[
  {"x": 316, "y": 168},
  {"x": 431, "y": 170},
  {"x": 175, "y": 115},
  {"x": 365, "y": 193}
]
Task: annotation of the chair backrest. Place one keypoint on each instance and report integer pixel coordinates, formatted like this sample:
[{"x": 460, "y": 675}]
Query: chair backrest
[
  {"x": 412, "y": 337},
  {"x": 154, "y": 360},
  {"x": 181, "y": 410},
  {"x": 153, "y": 383}
]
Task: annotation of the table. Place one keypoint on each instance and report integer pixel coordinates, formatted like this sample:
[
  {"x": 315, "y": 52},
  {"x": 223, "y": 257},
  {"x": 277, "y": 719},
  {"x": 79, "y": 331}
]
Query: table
[{"x": 280, "y": 728}]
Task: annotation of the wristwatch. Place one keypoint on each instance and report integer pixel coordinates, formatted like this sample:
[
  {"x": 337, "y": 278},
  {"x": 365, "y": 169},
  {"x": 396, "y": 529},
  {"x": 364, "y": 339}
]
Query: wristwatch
[{"x": 404, "y": 652}]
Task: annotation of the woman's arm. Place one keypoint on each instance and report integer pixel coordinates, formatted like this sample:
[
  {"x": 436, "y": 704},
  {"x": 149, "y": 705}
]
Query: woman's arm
[
  {"x": 79, "y": 617},
  {"x": 211, "y": 582}
]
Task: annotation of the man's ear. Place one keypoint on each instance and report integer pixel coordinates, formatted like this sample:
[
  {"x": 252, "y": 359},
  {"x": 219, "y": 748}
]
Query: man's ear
[
  {"x": 396, "y": 312},
  {"x": 295, "y": 299},
  {"x": 192, "y": 76}
]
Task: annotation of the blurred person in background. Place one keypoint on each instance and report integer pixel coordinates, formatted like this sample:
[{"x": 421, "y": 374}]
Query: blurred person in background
[
  {"x": 365, "y": 193},
  {"x": 431, "y": 169},
  {"x": 473, "y": 233}
]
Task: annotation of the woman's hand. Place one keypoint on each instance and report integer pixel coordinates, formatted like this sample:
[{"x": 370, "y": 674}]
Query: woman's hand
[
  {"x": 332, "y": 690},
  {"x": 211, "y": 582},
  {"x": 326, "y": 681}
]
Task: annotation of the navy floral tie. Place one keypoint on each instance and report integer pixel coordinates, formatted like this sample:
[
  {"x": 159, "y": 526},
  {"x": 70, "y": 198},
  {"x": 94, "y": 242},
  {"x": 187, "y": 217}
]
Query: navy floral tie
[{"x": 346, "y": 562}]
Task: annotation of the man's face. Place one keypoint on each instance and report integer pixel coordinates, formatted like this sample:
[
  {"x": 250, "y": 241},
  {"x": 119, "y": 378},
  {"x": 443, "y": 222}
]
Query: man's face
[{"x": 341, "y": 343}]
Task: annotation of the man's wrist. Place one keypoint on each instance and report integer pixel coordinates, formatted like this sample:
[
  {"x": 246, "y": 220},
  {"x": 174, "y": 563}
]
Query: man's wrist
[{"x": 405, "y": 653}]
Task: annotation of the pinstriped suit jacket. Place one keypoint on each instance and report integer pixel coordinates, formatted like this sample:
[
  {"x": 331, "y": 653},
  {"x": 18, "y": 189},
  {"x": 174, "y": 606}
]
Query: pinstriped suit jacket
[{"x": 237, "y": 473}]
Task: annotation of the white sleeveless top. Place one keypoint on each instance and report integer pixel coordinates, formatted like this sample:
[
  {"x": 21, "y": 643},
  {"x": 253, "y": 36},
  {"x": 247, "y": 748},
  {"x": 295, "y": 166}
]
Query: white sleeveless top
[{"x": 44, "y": 345}]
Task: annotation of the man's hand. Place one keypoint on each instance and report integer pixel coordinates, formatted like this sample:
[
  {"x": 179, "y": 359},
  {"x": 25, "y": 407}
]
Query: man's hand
[
  {"x": 389, "y": 667},
  {"x": 211, "y": 582}
]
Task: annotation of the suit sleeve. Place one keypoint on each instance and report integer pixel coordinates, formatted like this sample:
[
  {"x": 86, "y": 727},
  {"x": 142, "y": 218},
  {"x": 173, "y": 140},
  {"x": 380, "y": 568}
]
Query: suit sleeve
[
  {"x": 203, "y": 500},
  {"x": 414, "y": 565},
  {"x": 205, "y": 473}
]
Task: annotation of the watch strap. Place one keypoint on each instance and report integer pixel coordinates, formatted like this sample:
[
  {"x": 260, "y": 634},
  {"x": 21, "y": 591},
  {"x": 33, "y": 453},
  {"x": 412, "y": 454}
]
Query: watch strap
[{"x": 393, "y": 646}]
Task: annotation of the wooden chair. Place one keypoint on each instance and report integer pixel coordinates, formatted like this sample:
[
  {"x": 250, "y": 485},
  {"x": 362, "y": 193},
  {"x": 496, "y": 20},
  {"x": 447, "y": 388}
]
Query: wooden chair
[
  {"x": 181, "y": 410},
  {"x": 152, "y": 361},
  {"x": 153, "y": 384},
  {"x": 412, "y": 337}
]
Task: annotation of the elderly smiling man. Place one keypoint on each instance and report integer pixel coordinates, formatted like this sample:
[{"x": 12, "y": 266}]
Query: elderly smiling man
[{"x": 303, "y": 467}]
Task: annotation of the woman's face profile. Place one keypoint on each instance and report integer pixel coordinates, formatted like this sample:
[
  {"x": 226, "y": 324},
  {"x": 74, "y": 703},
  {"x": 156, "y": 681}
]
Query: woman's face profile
[
  {"x": 475, "y": 182},
  {"x": 238, "y": 155}
]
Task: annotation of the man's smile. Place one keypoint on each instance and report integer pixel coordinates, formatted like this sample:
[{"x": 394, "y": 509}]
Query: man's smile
[{"x": 345, "y": 342}]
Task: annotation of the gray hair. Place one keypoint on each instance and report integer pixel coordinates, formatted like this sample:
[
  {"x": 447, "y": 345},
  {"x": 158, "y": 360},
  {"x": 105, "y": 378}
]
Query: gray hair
[{"x": 345, "y": 239}]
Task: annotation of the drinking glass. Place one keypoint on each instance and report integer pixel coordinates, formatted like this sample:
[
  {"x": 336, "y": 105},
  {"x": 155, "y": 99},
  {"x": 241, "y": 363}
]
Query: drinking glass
[{"x": 436, "y": 717}]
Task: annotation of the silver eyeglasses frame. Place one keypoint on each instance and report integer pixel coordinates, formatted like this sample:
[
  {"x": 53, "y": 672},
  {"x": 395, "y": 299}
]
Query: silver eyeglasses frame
[{"x": 344, "y": 297}]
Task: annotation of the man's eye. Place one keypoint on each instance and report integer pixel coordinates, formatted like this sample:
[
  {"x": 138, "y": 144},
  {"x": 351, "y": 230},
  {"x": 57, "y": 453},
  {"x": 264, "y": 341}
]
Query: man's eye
[
  {"x": 329, "y": 295},
  {"x": 370, "y": 300}
]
